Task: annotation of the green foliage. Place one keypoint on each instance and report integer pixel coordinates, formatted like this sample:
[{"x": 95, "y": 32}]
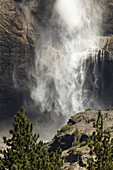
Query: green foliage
[
  {"x": 76, "y": 133},
  {"x": 91, "y": 120},
  {"x": 76, "y": 137},
  {"x": 89, "y": 109},
  {"x": 63, "y": 143},
  {"x": 23, "y": 152},
  {"x": 76, "y": 143},
  {"x": 110, "y": 108},
  {"x": 101, "y": 147},
  {"x": 64, "y": 129},
  {"x": 14, "y": 167},
  {"x": 83, "y": 143},
  {"x": 72, "y": 150},
  {"x": 79, "y": 153},
  {"x": 111, "y": 127}
]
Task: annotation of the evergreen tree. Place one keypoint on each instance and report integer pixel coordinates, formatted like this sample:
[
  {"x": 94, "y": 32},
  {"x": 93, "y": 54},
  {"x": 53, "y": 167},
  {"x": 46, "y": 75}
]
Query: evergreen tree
[
  {"x": 101, "y": 147},
  {"x": 23, "y": 152}
]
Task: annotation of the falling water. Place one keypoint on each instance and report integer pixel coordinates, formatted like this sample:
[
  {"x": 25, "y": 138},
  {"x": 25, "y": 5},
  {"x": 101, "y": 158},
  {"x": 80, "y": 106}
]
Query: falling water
[{"x": 67, "y": 39}]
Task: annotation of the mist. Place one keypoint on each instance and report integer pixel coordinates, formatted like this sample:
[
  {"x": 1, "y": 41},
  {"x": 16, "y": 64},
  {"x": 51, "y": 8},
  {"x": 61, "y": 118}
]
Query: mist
[
  {"x": 57, "y": 76},
  {"x": 60, "y": 52}
]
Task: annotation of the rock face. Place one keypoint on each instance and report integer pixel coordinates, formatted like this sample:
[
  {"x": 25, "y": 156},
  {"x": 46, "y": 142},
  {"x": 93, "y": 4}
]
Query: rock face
[
  {"x": 15, "y": 53},
  {"x": 98, "y": 69},
  {"x": 17, "y": 31},
  {"x": 18, "y": 27},
  {"x": 75, "y": 149},
  {"x": 107, "y": 17}
]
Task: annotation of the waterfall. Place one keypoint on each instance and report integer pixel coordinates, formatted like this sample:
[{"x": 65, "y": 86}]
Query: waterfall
[{"x": 68, "y": 37}]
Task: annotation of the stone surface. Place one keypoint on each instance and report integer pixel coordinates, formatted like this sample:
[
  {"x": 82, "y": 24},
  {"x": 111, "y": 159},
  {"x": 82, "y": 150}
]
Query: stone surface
[
  {"x": 18, "y": 27},
  {"x": 82, "y": 122},
  {"x": 15, "y": 53},
  {"x": 17, "y": 31},
  {"x": 108, "y": 17}
]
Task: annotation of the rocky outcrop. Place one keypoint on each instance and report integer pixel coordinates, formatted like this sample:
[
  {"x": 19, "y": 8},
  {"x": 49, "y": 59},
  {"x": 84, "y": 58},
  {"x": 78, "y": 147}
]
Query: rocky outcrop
[{"x": 76, "y": 149}]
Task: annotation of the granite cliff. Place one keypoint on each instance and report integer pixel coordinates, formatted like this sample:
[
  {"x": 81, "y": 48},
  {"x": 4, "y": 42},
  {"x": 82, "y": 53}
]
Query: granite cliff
[
  {"x": 73, "y": 136},
  {"x": 17, "y": 31},
  {"x": 16, "y": 50}
]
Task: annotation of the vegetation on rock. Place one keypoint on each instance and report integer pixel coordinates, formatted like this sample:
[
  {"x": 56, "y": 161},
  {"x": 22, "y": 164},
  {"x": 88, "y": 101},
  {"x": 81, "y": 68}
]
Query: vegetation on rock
[
  {"x": 91, "y": 120},
  {"x": 110, "y": 108},
  {"x": 23, "y": 152},
  {"x": 101, "y": 147},
  {"x": 89, "y": 109},
  {"x": 64, "y": 129}
]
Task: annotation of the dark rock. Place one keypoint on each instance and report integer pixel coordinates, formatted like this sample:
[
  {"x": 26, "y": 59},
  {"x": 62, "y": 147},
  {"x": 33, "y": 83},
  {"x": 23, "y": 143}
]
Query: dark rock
[
  {"x": 65, "y": 142},
  {"x": 15, "y": 55},
  {"x": 73, "y": 157},
  {"x": 84, "y": 137}
]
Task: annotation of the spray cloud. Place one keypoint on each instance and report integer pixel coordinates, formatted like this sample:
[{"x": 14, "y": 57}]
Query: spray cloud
[
  {"x": 66, "y": 41},
  {"x": 63, "y": 46}
]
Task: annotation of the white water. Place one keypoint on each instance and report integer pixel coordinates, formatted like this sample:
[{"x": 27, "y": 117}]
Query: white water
[
  {"x": 57, "y": 78},
  {"x": 68, "y": 39}
]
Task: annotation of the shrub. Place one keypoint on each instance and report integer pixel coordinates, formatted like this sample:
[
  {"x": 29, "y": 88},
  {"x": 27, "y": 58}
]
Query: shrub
[
  {"x": 83, "y": 143},
  {"x": 64, "y": 129},
  {"x": 91, "y": 120},
  {"x": 76, "y": 136},
  {"x": 72, "y": 150},
  {"x": 79, "y": 153},
  {"x": 89, "y": 109},
  {"x": 110, "y": 108},
  {"x": 76, "y": 143}
]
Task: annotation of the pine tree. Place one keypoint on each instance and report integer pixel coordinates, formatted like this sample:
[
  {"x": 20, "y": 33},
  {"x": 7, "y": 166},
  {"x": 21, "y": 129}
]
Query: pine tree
[
  {"x": 23, "y": 152},
  {"x": 101, "y": 147}
]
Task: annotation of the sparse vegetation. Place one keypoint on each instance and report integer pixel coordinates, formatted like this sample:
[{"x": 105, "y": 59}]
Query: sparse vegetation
[
  {"x": 89, "y": 109},
  {"x": 101, "y": 147},
  {"x": 111, "y": 127},
  {"x": 83, "y": 143},
  {"x": 76, "y": 136},
  {"x": 110, "y": 108},
  {"x": 72, "y": 150},
  {"x": 76, "y": 143},
  {"x": 64, "y": 129},
  {"x": 62, "y": 143},
  {"x": 79, "y": 153},
  {"x": 91, "y": 120}
]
